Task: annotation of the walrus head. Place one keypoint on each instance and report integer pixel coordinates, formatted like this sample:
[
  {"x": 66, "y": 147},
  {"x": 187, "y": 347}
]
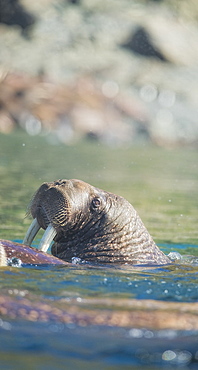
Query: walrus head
[{"x": 90, "y": 224}]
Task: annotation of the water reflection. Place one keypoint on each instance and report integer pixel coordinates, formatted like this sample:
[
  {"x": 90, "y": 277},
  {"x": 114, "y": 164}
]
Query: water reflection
[{"x": 49, "y": 346}]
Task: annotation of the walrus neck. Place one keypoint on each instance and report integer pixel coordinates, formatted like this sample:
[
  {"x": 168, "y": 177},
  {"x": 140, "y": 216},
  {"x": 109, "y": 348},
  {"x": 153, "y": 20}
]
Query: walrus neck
[
  {"x": 118, "y": 238},
  {"x": 140, "y": 247}
]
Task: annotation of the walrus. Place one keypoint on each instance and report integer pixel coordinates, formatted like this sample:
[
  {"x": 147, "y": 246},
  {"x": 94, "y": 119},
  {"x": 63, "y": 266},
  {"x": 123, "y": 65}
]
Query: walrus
[
  {"x": 90, "y": 224},
  {"x": 17, "y": 254}
]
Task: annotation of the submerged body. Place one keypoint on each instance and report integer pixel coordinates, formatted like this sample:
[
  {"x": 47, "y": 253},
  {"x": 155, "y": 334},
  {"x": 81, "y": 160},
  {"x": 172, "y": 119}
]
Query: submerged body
[
  {"x": 91, "y": 224},
  {"x": 16, "y": 254}
]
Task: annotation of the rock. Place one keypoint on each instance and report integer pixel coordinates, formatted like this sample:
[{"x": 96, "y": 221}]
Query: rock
[
  {"x": 141, "y": 43},
  {"x": 123, "y": 95},
  {"x": 13, "y": 13},
  {"x": 176, "y": 40}
]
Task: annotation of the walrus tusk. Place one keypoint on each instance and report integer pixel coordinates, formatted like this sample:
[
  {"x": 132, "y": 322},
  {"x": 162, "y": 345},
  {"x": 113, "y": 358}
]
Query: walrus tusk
[
  {"x": 47, "y": 238},
  {"x": 31, "y": 233},
  {"x": 3, "y": 257}
]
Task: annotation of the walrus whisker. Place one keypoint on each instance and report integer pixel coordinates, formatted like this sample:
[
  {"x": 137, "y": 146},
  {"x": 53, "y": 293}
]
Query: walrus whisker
[
  {"x": 31, "y": 233},
  {"x": 47, "y": 238}
]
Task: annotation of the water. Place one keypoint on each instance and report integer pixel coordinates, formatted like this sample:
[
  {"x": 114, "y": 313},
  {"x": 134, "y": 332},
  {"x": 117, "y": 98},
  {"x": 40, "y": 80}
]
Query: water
[
  {"x": 54, "y": 344},
  {"x": 44, "y": 346},
  {"x": 162, "y": 185}
]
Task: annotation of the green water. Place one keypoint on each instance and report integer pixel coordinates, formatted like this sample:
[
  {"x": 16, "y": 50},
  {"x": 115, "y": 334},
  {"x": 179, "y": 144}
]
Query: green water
[{"x": 161, "y": 184}]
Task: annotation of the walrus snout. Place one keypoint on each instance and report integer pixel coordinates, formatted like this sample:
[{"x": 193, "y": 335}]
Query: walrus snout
[
  {"x": 56, "y": 207},
  {"x": 52, "y": 207},
  {"x": 50, "y": 210}
]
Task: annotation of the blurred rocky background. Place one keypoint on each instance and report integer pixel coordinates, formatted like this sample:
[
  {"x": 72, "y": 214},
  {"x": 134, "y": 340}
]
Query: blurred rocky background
[{"x": 120, "y": 72}]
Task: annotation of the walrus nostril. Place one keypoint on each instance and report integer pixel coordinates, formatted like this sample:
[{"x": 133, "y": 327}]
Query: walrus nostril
[{"x": 60, "y": 182}]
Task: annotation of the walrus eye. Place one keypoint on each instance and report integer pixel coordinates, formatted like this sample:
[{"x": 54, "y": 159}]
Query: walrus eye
[{"x": 95, "y": 203}]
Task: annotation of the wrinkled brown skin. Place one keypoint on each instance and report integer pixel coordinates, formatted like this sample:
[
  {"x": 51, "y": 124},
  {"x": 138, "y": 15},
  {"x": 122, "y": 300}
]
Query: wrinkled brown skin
[
  {"x": 94, "y": 225},
  {"x": 26, "y": 254}
]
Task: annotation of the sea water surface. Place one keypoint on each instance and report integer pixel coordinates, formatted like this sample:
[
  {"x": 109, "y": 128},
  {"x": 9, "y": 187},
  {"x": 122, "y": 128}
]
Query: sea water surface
[{"x": 162, "y": 185}]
